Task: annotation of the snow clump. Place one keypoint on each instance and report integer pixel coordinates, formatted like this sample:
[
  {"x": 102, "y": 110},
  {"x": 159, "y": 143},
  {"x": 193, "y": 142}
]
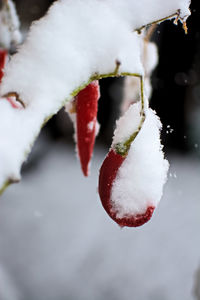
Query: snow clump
[{"x": 141, "y": 177}]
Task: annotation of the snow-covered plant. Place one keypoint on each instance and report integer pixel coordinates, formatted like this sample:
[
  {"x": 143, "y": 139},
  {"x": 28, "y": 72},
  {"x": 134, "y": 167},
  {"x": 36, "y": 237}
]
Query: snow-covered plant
[
  {"x": 76, "y": 44},
  {"x": 9, "y": 25}
]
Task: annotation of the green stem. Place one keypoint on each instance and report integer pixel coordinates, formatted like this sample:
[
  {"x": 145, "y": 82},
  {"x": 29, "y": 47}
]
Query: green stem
[
  {"x": 97, "y": 76},
  {"x": 123, "y": 148},
  {"x": 6, "y": 184},
  {"x": 158, "y": 21}
]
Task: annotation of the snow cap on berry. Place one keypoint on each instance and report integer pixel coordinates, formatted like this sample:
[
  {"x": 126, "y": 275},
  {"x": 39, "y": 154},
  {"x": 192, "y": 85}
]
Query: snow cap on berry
[{"x": 140, "y": 179}]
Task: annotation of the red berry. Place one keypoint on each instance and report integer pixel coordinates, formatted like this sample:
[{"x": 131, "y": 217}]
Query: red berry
[
  {"x": 108, "y": 173},
  {"x": 86, "y": 109}
]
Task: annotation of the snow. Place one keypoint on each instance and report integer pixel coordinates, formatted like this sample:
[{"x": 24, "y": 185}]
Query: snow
[
  {"x": 140, "y": 179},
  {"x": 43, "y": 79},
  {"x": 145, "y": 12},
  {"x": 76, "y": 252},
  {"x": 75, "y": 40},
  {"x": 97, "y": 128},
  {"x": 9, "y": 25},
  {"x": 91, "y": 125},
  {"x": 14, "y": 132}
]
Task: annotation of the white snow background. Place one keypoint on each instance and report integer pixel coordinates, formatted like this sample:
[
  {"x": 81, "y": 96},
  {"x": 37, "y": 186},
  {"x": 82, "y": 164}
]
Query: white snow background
[{"x": 57, "y": 242}]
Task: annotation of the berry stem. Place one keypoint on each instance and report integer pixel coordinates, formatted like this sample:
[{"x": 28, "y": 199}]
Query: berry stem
[{"x": 123, "y": 148}]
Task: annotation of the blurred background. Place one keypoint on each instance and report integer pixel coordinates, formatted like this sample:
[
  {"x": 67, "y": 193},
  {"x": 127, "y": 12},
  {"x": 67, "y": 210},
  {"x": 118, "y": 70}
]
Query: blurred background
[{"x": 56, "y": 241}]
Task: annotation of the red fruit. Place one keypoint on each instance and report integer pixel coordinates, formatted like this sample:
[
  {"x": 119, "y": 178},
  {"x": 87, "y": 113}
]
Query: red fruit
[
  {"x": 108, "y": 173},
  {"x": 3, "y": 56},
  {"x": 86, "y": 109}
]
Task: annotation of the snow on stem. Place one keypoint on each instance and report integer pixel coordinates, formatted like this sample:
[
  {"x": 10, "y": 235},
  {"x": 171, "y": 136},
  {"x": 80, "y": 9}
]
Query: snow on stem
[
  {"x": 9, "y": 25},
  {"x": 177, "y": 17}
]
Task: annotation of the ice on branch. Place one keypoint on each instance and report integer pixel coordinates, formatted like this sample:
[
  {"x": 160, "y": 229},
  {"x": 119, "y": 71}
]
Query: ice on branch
[{"x": 75, "y": 43}]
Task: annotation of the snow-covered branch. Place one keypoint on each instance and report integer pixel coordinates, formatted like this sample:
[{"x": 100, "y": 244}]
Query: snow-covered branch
[{"x": 75, "y": 43}]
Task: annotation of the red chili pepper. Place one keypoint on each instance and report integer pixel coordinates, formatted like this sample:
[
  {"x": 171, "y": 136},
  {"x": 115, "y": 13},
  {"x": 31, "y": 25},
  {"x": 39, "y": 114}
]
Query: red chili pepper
[
  {"x": 3, "y": 56},
  {"x": 86, "y": 110},
  {"x": 108, "y": 173}
]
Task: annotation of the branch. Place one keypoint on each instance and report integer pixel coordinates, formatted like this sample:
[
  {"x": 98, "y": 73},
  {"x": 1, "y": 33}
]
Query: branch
[
  {"x": 64, "y": 51},
  {"x": 174, "y": 15}
]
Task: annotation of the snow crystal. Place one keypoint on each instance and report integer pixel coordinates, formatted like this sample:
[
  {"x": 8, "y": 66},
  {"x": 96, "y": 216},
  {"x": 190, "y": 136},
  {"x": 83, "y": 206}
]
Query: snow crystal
[{"x": 140, "y": 179}]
